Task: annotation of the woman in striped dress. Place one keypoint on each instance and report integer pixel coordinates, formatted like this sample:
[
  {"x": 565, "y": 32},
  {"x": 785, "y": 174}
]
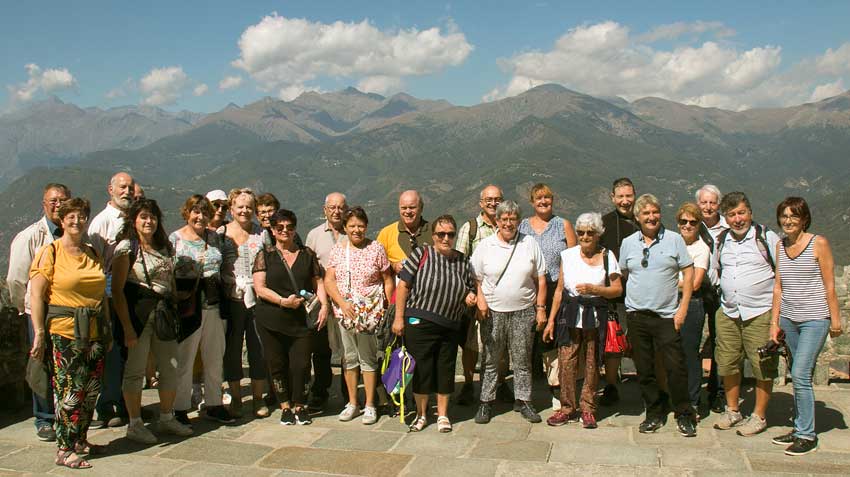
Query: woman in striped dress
[
  {"x": 805, "y": 307},
  {"x": 435, "y": 287}
]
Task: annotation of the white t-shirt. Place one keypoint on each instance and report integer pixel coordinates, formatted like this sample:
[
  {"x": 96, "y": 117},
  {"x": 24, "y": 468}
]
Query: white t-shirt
[
  {"x": 518, "y": 288},
  {"x": 700, "y": 254},
  {"x": 578, "y": 271}
]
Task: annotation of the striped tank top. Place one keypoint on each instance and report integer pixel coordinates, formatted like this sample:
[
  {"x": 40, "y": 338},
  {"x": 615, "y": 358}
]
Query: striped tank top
[{"x": 803, "y": 294}]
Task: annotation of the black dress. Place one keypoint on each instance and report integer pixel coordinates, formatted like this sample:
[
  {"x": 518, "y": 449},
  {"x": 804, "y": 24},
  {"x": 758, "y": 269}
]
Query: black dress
[{"x": 288, "y": 321}]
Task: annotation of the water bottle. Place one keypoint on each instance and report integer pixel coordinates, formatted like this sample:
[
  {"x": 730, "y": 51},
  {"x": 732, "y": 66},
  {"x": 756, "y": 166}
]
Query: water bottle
[
  {"x": 310, "y": 299},
  {"x": 307, "y": 296}
]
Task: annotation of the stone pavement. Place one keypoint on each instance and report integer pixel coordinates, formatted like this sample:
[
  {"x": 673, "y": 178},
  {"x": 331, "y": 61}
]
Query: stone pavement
[{"x": 508, "y": 446}]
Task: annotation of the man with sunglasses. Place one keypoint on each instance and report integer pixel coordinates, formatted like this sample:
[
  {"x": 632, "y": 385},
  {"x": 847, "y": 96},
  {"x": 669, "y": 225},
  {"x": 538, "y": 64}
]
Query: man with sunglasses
[
  {"x": 321, "y": 239},
  {"x": 21, "y": 253},
  {"x": 652, "y": 259}
]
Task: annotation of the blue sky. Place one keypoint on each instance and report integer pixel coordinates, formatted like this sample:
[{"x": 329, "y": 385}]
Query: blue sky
[{"x": 176, "y": 54}]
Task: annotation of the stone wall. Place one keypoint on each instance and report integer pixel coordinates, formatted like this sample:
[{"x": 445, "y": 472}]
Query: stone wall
[{"x": 13, "y": 358}]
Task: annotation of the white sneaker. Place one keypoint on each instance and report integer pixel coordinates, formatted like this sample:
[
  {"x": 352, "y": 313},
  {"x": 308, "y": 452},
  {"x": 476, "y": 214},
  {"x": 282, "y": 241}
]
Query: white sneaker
[
  {"x": 139, "y": 433},
  {"x": 556, "y": 403},
  {"x": 173, "y": 426},
  {"x": 349, "y": 412},
  {"x": 370, "y": 415}
]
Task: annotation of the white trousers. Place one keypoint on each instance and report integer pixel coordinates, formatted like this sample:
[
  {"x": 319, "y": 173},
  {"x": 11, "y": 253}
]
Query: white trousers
[{"x": 210, "y": 338}]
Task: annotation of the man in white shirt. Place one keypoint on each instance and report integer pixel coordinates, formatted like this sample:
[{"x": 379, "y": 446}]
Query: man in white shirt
[
  {"x": 103, "y": 229},
  {"x": 21, "y": 253},
  {"x": 713, "y": 224},
  {"x": 745, "y": 264}
]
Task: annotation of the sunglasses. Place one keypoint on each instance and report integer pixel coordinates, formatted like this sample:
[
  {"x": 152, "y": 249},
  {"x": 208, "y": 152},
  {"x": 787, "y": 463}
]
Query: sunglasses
[
  {"x": 443, "y": 235},
  {"x": 645, "y": 262},
  {"x": 284, "y": 228},
  {"x": 692, "y": 223},
  {"x": 220, "y": 205},
  {"x": 582, "y": 233}
]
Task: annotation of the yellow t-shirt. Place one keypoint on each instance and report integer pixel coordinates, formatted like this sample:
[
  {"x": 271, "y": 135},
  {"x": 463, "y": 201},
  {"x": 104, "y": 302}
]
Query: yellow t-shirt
[{"x": 72, "y": 281}]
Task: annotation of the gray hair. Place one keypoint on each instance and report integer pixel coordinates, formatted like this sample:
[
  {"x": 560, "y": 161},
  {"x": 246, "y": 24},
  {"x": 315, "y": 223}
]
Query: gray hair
[
  {"x": 592, "y": 220},
  {"x": 507, "y": 207},
  {"x": 710, "y": 189},
  {"x": 344, "y": 199},
  {"x": 643, "y": 201}
]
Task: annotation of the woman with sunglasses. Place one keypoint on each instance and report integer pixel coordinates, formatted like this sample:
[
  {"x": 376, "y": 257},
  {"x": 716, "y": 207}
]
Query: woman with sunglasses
[
  {"x": 689, "y": 218},
  {"x": 281, "y": 271},
  {"x": 218, "y": 199},
  {"x": 435, "y": 287},
  {"x": 579, "y": 313},
  {"x": 652, "y": 258}
]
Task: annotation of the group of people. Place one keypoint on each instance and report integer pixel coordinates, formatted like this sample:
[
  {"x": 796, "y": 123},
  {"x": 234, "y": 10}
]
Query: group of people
[{"x": 107, "y": 296}]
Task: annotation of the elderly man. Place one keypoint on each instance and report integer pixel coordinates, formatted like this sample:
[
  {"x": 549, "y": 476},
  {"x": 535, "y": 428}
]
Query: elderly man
[
  {"x": 652, "y": 258},
  {"x": 410, "y": 231},
  {"x": 469, "y": 236},
  {"x": 321, "y": 239},
  {"x": 744, "y": 260},
  {"x": 708, "y": 201},
  {"x": 618, "y": 224},
  {"x": 21, "y": 253},
  {"x": 103, "y": 229}
]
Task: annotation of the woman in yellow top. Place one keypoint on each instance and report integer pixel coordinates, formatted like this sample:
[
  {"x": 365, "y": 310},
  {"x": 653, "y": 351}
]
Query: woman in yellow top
[{"x": 68, "y": 285}]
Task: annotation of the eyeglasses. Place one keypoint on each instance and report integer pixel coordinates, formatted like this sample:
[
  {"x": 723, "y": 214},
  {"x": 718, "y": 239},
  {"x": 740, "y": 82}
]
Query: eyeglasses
[
  {"x": 692, "y": 223},
  {"x": 790, "y": 218},
  {"x": 335, "y": 208},
  {"x": 284, "y": 228},
  {"x": 443, "y": 235},
  {"x": 645, "y": 262},
  {"x": 55, "y": 202},
  {"x": 582, "y": 233},
  {"x": 492, "y": 200}
]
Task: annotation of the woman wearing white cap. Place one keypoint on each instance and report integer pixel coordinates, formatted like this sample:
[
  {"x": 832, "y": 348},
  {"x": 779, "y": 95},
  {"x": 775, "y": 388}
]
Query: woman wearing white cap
[{"x": 220, "y": 204}]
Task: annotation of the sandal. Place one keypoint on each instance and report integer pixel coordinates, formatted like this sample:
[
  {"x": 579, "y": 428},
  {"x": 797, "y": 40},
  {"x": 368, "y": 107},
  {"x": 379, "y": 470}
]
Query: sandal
[
  {"x": 418, "y": 424},
  {"x": 63, "y": 458},
  {"x": 86, "y": 447},
  {"x": 444, "y": 424}
]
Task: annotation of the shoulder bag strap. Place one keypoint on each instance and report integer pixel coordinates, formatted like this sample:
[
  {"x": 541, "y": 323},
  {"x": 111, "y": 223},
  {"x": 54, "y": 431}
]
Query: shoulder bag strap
[
  {"x": 288, "y": 270},
  {"x": 605, "y": 266},
  {"x": 348, "y": 263},
  {"x": 518, "y": 238}
]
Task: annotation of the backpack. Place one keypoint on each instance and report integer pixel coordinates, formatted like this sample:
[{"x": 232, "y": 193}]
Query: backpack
[
  {"x": 761, "y": 244},
  {"x": 473, "y": 232},
  {"x": 706, "y": 237}
]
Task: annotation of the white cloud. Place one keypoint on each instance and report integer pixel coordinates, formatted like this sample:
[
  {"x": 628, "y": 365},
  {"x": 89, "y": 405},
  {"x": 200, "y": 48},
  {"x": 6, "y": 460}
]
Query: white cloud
[
  {"x": 200, "y": 90},
  {"x": 380, "y": 84},
  {"x": 128, "y": 86},
  {"x": 163, "y": 86},
  {"x": 286, "y": 53},
  {"x": 41, "y": 81},
  {"x": 230, "y": 82},
  {"x": 827, "y": 90},
  {"x": 606, "y": 59}
]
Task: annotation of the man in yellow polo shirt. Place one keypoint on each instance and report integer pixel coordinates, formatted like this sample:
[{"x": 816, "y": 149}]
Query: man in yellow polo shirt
[{"x": 410, "y": 231}]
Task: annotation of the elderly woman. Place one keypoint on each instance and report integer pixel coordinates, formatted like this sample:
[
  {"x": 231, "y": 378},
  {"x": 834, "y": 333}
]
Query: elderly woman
[
  {"x": 197, "y": 263},
  {"x": 554, "y": 235},
  {"x": 435, "y": 287},
  {"x": 689, "y": 218},
  {"x": 511, "y": 295},
  {"x": 241, "y": 243},
  {"x": 589, "y": 277},
  {"x": 281, "y": 272},
  {"x": 652, "y": 258},
  {"x": 805, "y": 307},
  {"x": 142, "y": 275},
  {"x": 67, "y": 295},
  {"x": 358, "y": 279}
]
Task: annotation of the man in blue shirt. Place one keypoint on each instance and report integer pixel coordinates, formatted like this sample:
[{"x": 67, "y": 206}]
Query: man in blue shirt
[{"x": 652, "y": 258}]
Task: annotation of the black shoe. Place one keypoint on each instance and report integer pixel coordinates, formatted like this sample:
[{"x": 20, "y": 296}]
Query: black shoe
[
  {"x": 784, "y": 439},
  {"x": 527, "y": 410},
  {"x": 504, "y": 393},
  {"x": 287, "y": 418},
  {"x": 183, "y": 418},
  {"x": 317, "y": 402},
  {"x": 718, "y": 404},
  {"x": 302, "y": 417},
  {"x": 467, "y": 395},
  {"x": 45, "y": 433},
  {"x": 610, "y": 395},
  {"x": 218, "y": 414},
  {"x": 802, "y": 446},
  {"x": 687, "y": 425},
  {"x": 650, "y": 425},
  {"x": 484, "y": 413}
]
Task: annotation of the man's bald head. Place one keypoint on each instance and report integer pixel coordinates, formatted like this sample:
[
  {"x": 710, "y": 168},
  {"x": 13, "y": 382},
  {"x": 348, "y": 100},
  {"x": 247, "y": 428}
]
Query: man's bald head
[
  {"x": 335, "y": 208},
  {"x": 491, "y": 197},
  {"x": 121, "y": 189},
  {"x": 410, "y": 209}
]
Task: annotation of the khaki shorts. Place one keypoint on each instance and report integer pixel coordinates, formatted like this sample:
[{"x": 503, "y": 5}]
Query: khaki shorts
[{"x": 737, "y": 339}]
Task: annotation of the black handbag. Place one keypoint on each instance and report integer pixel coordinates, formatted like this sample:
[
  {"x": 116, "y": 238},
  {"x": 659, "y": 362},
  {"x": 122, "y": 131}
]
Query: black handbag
[{"x": 166, "y": 323}]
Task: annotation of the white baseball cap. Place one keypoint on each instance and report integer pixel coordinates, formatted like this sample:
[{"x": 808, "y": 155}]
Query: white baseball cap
[{"x": 215, "y": 195}]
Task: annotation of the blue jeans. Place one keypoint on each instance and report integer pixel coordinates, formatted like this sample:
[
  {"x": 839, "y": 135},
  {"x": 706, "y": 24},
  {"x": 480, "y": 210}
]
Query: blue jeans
[
  {"x": 42, "y": 409},
  {"x": 111, "y": 399},
  {"x": 805, "y": 340},
  {"x": 691, "y": 333}
]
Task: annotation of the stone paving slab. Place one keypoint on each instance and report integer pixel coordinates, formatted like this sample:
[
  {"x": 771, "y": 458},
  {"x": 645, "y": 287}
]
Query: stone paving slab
[
  {"x": 124, "y": 465},
  {"x": 220, "y": 470},
  {"x": 301, "y": 436},
  {"x": 426, "y": 466},
  {"x": 368, "y": 464},
  {"x": 202, "y": 449},
  {"x": 724, "y": 459},
  {"x": 610, "y": 453},
  {"x": 513, "y": 450},
  {"x": 434, "y": 444},
  {"x": 358, "y": 440},
  {"x": 820, "y": 462}
]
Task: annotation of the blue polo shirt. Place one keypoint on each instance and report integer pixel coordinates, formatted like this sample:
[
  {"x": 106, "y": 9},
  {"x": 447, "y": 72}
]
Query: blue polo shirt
[{"x": 656, "y": 287}]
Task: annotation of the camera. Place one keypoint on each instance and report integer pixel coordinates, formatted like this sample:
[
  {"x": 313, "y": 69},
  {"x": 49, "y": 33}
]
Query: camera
[{"x": 772, "y": 348}]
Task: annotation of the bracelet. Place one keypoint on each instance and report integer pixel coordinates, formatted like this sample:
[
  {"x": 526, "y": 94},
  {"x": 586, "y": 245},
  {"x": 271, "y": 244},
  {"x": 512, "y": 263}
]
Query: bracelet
[
  {"x": 540, "y": 307},
  {"x": 280, "y": 303}
]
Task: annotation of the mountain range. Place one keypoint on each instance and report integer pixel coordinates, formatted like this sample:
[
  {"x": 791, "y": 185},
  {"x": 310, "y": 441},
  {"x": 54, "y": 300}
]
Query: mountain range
[{"x": 372, "y": 147}]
